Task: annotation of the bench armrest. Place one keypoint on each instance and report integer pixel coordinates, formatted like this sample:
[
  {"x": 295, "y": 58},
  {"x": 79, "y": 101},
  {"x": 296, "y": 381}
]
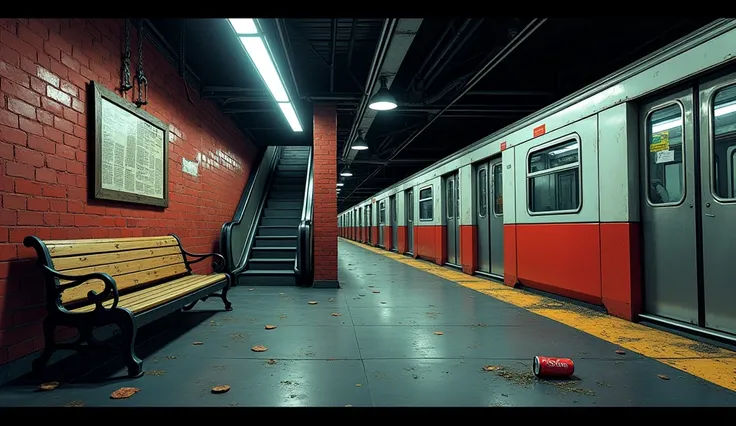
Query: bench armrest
[
  {"x": 218, "y": 261},
  {"x": 76, "y": 280}
]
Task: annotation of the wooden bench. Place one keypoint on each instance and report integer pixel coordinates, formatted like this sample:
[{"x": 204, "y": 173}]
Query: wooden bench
[{"x": 128, "y": 282}]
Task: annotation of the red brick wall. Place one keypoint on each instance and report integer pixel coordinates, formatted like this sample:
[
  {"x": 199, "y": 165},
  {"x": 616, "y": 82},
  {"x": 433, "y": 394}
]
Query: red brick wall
[
  {"x": 325, "y": 195},
  {"x": 45, "y": 66}
]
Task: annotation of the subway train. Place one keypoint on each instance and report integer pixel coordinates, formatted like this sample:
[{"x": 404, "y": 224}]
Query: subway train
[{"x": 621, "y": 195}]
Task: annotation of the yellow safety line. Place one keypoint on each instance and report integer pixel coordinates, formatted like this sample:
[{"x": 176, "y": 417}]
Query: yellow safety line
[{"x": 708, "y": 362}]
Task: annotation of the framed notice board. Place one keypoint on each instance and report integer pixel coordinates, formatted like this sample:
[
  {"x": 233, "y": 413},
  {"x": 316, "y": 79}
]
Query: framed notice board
[{"x": 131, "y": 155}]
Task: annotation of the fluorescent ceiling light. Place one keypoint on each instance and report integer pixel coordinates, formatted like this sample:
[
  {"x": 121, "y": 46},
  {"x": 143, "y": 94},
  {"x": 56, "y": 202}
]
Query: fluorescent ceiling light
[
  {"x": 290, "y": 115},
  {"x": 346, "y": 173},
  {"x": 259, "y": 55},
  {"x": 243, "y": 26},
  {"x": 565, "y": 149},
  {"x": 677, "y": 122},
  {"x": 340, "y": 184},
  {"x": 725, "y": 109}
]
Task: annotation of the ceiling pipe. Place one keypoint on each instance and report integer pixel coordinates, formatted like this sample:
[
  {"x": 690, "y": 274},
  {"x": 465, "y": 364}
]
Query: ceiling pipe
[
  {"x": 530, "y": 28},
  {"x": 286, "y": 46},
  {"x": 430, "y": 72},
  {"x": 449, "y": 56},
  {"x": 333, "y": 48},
  {"x": 410, "y": 86}
]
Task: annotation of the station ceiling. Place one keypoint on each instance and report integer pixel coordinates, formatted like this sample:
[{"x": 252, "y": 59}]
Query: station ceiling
[{"x": 455, "y": 79}]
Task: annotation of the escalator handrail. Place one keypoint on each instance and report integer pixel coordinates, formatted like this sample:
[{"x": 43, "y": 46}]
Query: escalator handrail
[
  {"x": 303, "y": 258},
  {"x": 263, "y": 171}
]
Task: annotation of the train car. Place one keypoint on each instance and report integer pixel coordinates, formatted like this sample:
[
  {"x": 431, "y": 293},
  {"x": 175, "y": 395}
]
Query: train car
[{"x": 623, "y": 194}]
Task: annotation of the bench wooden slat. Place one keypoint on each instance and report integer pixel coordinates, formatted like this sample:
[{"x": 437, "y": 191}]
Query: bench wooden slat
[
  {"x": 124, "y": 282},
  {"x": 64, "y": 264},
  {"x": 80, "y": 247},
  {"x": 151, "y": 297}
]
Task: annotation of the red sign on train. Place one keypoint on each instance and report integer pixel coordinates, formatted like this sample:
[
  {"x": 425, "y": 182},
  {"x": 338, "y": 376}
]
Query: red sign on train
[{"x": 540, "y": 130}]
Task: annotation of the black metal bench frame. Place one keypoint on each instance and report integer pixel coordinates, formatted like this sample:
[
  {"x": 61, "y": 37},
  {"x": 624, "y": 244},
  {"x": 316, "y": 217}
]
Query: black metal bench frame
[{"x": 129, "y": 323}]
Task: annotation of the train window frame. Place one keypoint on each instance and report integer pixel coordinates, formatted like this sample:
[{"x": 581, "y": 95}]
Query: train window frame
[
  {"x": 645, "y": 146},
  {"x": 493, "y": 188},
  {"x": 573, "y": 136},
  {"x": 450, "y": 194},
  {"x": 430, "y": 200},
  {"x": 712, "y": 156},
  {"x": 382, "y": 213},
  {"x": 409, "y": 206},
  {"x": 482, "y": 202}
]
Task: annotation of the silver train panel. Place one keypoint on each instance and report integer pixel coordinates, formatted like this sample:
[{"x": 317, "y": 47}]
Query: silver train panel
[
  {"x": 452, "y": 210},
  {"x": 489, "y": 216},
  {"x": 409, "y": 209},
  {"x": 394, "y": 224}
]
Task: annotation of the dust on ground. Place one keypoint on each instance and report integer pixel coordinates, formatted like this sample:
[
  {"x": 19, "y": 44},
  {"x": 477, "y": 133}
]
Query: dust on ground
[
  {"x": 155, "y": 372},
  {"x": 75, "y": 403},
  {"x": 527, "y": 378},
  {"x": 553, "y": 304},
  {"x": 699, "y": 347}
]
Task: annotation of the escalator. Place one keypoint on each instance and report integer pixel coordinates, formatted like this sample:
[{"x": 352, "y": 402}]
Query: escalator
[{"x": 269, "y": 241}]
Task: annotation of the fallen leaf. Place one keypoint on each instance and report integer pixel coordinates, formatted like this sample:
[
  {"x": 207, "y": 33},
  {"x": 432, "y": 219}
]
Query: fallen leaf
[
  {"x": 335, "y": 314},
  {"x": 438, "y": 333},
  {"x": 312, "y": 302},
  {"x": 251, "y": 289},
  {"x": 75, "y": 403},
  {"x": 270, "y": 327},
  {"x": 620, "y": 352},
  {"x": 124, "y": 393},
  {"x": 357, "y": 385},
  {"x": 376, "y": 291},
  {"x": 371, "y": 286},
  {"x": 491, "y": 368},
  {"x": 383, "y": 303},
  {"x": 348, "y": 405},
  {"x": 48, "y": 386},
  {"x": 259, "y": 348},
  {"x": 221, "y": 389},
  {"x": 198, "y": 343},
  {"x": 271, "y": 362},
  {"x": 331, "y": 299},
  {"x": 330, "y": 359},
  {"x": 663, "y": 377}
]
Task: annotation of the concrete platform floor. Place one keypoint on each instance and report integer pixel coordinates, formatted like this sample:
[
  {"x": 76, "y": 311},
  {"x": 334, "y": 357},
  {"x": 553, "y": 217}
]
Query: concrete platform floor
[{"x": 372, "y": 343}]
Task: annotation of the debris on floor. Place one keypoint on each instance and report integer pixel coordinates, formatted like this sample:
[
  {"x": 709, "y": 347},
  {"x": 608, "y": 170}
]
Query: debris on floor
[
  {"x": 251, "y": 289},
  {"x": 124, "y": 393},
  {"x": 663, "y": 377},
  {"x": 312, "y": 302},
  {"x": 620, "y": 352},
  {"x": 491, "y": 368},
  {"x": 438, "y": 333},
  {"x": 221, "y": 389},
  {"x": 48, "y": 386},
  {"x": 75, "y": 403},
  {"x": 376, "y": 291},
  {"x": 197, "y": 343},
  {"x": 259, "y": 348},
  {"x": 331, "y": 299},
  {"x": 336, "y": 314},
  {"x": 155, "y": 373},
  {"x": 270, "y": 327},
  {"x": 357, "y": 385},
  {"x": 271, "y": 362}
]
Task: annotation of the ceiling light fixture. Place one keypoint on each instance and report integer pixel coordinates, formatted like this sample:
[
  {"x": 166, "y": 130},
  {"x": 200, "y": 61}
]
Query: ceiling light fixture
[
  {"x": 383, "y": 100},
  {"x": 359, "y": 144},
  {"x": 346, "y": 172},
  {"x": 340, "y": 184},
  {"x": 254, "y": 42}
]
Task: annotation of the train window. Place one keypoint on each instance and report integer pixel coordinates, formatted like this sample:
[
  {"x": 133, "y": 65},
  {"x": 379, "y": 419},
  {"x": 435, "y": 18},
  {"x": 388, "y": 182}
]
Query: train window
[
  {"x": 498, "y": 189},
  {"x": 665, "y": 170},
  {"x": 723, "y": 116},
  {"x": 553, "y": 176},
  {"x": 426, "y": 207},
  {"x": 410, "y": 207},
  {"x": 450, "y": 204},
  {"x": 382, "y": 212},
  {"x": 482, "y": 192}
]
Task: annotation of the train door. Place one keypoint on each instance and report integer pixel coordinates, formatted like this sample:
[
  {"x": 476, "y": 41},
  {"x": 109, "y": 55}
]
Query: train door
[
  {"x": 409, "y": 209},
  {"x": 689, "y": 208},
  {"x": 489, "y": 216},
  {"x": 366, "y": 226},
  {"x": 369, "y": 215},
  {"x": 360, "y": 224},
  {"x": 452, "y": 197},
  {"x": 394, "y": 224},
  {"x": 381, "y": 221}
]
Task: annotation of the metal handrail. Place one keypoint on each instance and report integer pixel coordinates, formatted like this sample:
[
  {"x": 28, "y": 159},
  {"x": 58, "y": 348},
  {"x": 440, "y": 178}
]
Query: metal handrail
[
  {"x": 303, "y": 260},
  {"x": 255, "y": 192}
]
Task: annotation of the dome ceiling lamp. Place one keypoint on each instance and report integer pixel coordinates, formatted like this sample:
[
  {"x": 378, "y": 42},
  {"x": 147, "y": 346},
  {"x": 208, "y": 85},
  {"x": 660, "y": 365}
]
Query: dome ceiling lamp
[
  {"x": 383, "y": 100},
  {"x": 359, "y": 144}
]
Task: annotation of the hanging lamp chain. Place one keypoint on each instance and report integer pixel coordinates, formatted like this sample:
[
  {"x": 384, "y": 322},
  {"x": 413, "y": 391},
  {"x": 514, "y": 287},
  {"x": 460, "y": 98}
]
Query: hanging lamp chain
[
  {"x": 140, "y": 78},
  {"x": 125, "y": 84}
]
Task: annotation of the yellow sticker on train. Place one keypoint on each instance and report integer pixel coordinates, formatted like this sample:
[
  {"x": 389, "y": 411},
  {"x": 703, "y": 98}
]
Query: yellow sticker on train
[{"x": 660, "y": 142}]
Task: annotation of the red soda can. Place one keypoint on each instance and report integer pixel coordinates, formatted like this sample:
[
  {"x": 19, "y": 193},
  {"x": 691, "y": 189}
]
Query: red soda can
[{"x": 545, "y": 366}]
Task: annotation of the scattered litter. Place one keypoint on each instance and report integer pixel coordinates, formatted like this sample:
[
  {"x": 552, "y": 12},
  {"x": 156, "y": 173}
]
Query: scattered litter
[
  {"x": 221, "y": 389},
  {"x": 383, "y": 303},
  {"x": 48, "y": 386},
  {"x": 312, "y": 302},
  {"x": 331, "y": 299},
  {"x": 438, "y": 333},
  {"x": 251, "y": 289},
  {"x": 357, "y": 385},
  {"x": 663, "y": 377},
  {"x": 331, "y": 358},
  {"x": 545, "y": 366},
  {"x": 335, "y": 314},
  {"x": 124, "y": 393},
  {"x": 348, "y": 405},
  {"x": 197, "y": 343},
  {"x": 371, "y": 286},
  {"x": 75, "y": 403},
  {"x": 271, "y": 362},
  {"x": 155, "y": 373},
  {"x": 259, "y": 348},
  {"x": 361, "y": 295},
  {"x": 270, "y": 327},
  {"x": 491, "y": 368},
  {"x": 620, "y": 352},
  {"x": 376, "y": 291}
]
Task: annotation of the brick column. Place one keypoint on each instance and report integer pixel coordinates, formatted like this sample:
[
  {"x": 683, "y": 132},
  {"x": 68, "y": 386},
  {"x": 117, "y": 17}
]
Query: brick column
[{"x": 325, "y": 196}]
